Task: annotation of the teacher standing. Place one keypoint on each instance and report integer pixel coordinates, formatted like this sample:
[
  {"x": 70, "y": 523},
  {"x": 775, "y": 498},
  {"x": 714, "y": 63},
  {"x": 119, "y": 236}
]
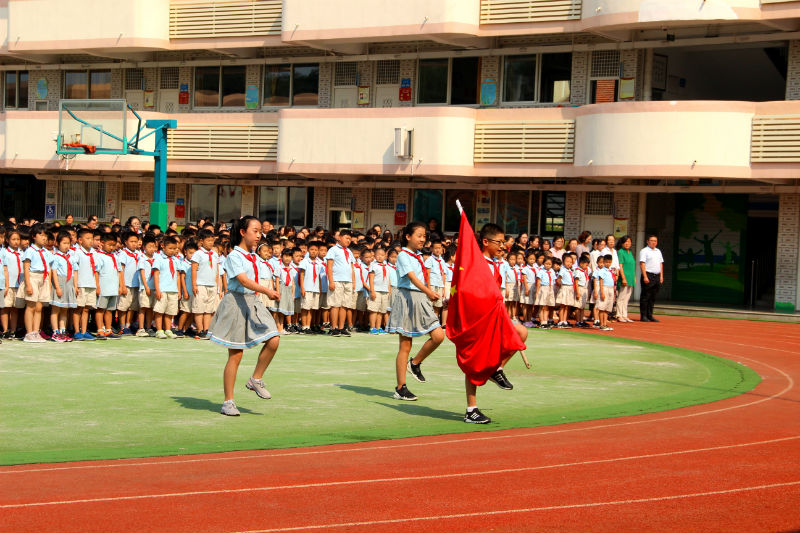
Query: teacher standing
[{"x": 652, "y": 264}]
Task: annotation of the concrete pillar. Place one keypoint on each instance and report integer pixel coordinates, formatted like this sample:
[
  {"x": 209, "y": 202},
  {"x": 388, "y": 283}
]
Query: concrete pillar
[{"x": 788, "y": 262}]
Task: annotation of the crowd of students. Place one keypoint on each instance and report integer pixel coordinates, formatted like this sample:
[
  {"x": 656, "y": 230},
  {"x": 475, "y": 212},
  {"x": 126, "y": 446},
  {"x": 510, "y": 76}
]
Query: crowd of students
[{"x": 82, "y": 283}]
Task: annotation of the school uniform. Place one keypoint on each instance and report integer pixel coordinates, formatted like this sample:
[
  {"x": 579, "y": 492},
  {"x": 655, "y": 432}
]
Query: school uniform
[
  {"x": 241, "y": 321},
  {"x": 312, "y": 269},
  {"x": 13, "y": 297},
  {"x": 64, "y": 267},
  {"x": 146, "y": 269},
  {"x": 581, "y": 276},
  {"x": 362, "y": 284},
  {"x": 566, "y": 295},
  {"x": 412, "y": 313},
  {"x": 297, "y": 293},
  {"x": 2, "y": 281},
  {"x": 511, "y": 290},
  {"x": 286, "y": 286},
  {"x": 342, "y": 272},
  {"x": 448, "y": 280},
  {"x": 108, "y": 274},
  {"x": 129, "y": 260},
  {"x": 266, "y": 278},
  {"x": 436, "y": 272},
  {"x": 206, "y": 300},
  {"x": 381, "y": 284},
  {"x": 605, "y": 281},
  {"x": 393, "y": 280},
  {"x": 545, "y": 294},
  {"x": 323, "y": 285},
  {"x": 528, "y": 279},
  {"x": 186, "y": 304},
  {"x": 168, "y": 268},
  {"x": 40, "y": 260}
]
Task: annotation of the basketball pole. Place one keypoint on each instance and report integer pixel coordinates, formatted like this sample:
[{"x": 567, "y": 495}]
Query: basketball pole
[{"x": 158, "y": 207}]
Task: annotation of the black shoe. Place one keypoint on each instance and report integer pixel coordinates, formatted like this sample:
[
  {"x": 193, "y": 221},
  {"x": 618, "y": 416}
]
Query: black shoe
[
  {"x": 404, "y": 394},
  {"x": 476, "y": 417},
  {"x": 416, "y": 371},
  {"x": 345, "y": 333},
  {"x": 654, "y": 320},
  {"x": 500, "y": 378},
  {"x": 336, "y": 332},
  {"x": 644, "y": 319}
]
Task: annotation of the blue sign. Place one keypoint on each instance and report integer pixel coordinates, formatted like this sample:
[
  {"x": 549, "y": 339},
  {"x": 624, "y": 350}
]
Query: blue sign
[
  {"x": 179, "y": 201},
  {"x": 489, "y": 92},
  {"x": 49, "y": 211},
  {"x": 401, "y": 208},
  {"x": 405, "y": 82},
  {"x": 184, "y": 87}
]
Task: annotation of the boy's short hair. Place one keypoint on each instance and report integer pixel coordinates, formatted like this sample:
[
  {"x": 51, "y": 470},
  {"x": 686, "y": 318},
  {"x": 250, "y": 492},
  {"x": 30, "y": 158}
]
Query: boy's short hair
[
  {"x": 169, "y": 239},
  {"x": 345, "y": 233},
  {"x": 84, "y": 231},
  {"x": 489, "y": 231},
  {"x": 191, "y": 244},
  {"x": 204, "y": 234},
  {"x": 111, "y": 236},
  {"x": 608, "y": 257},
  {"x": 128, "y": 234},
  {"x": 288, "y": 252},
  {"x": 584, "y": 259},
  {"x": 37, "y": 229},
  {"x": 556, "y": 261},
  {"x": 314, "y": 244},
  {"x": 426, "y": 251}
]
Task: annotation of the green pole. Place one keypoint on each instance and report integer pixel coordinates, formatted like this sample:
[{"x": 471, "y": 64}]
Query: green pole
[{"x": 158, "y": 207}]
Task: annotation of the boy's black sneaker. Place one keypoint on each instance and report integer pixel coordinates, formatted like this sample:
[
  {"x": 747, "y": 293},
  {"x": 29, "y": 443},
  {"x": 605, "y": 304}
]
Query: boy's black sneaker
[
  {"x": 336, "y": 332},
  {"x": 344, "y": 333},
  {"x": 501, "y": 380},
  {"x": 404, "y": 394},
  {"x": 476, "y": 417},
  {"x": 416, "y": 371}
]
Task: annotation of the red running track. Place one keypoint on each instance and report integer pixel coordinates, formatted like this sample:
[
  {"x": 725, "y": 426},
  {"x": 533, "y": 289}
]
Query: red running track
[{"x": 732, "y": 465}]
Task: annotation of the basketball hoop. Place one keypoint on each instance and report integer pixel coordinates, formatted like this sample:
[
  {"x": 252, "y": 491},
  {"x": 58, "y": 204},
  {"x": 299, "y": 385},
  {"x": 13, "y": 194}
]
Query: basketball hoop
[{"x": 87, "y": 148}]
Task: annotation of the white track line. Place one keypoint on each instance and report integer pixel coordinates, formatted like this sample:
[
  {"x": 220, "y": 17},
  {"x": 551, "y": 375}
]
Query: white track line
[
  {"x": 390, "y": 479},
  {"x": 528, "y": 509},
  {"x": 465, "y": 438}
]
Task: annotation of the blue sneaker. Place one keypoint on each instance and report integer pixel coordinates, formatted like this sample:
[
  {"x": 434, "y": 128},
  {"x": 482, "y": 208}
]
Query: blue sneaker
[
  {"x": 381, "y": 331},
  {"x": 78, "y": 336},
  {"x": 89, "y": 337},
  {"x": 179, "y": 333},
  {"x": 373, "y": 331},
  {"x": 126, "y": 331}
]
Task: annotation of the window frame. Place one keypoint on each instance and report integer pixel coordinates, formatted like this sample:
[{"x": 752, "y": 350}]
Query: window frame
[
  {"x": 286, "y": 192},
  {"x": 537, "y": 81},
  {"x": 291, "y": 103},
  {"x": 17, "y": 90},
  {"x": 219, "y": 89},
  {"x": 88, "y": 73},
  {"x": 449, "y": 82},
  {"x": 82, "y": 209}
]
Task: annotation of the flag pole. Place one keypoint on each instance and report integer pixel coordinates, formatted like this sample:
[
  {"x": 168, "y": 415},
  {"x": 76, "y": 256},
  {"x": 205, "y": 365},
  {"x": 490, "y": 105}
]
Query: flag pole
[
  {"x": 525, "y": 359},
  {"x": 460, "y": 209}
]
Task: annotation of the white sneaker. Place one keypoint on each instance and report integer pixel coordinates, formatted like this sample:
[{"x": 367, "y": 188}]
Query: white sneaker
[
  {"x": 142, "y": 333},
  {"x": 229, "y": 408},
  {"x": 169, "y": 333},
  {"x": 161, "y": 335},
  {"x": 257, "y": 386}
]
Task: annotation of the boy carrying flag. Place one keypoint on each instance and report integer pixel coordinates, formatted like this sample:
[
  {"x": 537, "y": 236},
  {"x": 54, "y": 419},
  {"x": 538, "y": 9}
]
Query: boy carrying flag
[{"x": 478, "y": 324}]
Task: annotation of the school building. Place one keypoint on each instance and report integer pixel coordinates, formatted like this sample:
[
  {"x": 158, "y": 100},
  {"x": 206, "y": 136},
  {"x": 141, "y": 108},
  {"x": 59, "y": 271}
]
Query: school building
[{"x": 549, "y": 116}]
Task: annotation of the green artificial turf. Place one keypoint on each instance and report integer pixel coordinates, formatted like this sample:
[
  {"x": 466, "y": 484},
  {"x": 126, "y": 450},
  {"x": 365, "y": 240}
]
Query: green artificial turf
[{"x": 147, "y": 397}]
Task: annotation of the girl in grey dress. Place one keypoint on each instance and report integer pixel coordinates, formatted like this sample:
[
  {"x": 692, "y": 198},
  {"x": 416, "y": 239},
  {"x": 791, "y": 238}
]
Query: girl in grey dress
[
  {"x": 64, "y": 281},
  {"x": 412, "y": 312},
  {"x": 242, "y": 321}
]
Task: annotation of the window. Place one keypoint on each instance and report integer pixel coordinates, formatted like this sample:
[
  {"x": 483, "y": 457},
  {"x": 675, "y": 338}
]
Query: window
[
  {"x": 388, "y": 72},
  {"x": 171, "y": 192},
  {"x": 291, "y": 85},
  {"x": 449, "y": 81},
  {"x": 553, "y": 209},
  {"x": 87, "y": 84},
  {"x": 219, "y": 86},
  {"x": 17, "y": 89},
  {"x": 345, "y": 74},
  {"x": 169, "y": 78},
  {"x": 283, "y": 206},
  {"x": 543, "y": 78},
  {"x": 512, "y": 211},
  {"x": 134, "y": 79},
  {"x": 604, "y": 76},
  {"x": 130, "y": 191},
  {"x": 203, "y": 202},
  {"x": 427, "y": 205},
  {"x": 599, "y": 203},
  {"x": 82, "y": 198},
  {"x": 341, "y": 197},
  {"x": 383, "y": 199}
]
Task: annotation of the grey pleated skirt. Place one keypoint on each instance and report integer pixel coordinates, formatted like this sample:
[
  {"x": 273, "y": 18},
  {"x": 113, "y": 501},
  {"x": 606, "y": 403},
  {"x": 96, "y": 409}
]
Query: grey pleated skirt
[
  {"x": 241, "y": 321},
  {"x": 286, "y": 305},
  {"x": 412, "y": 314},
  {"x": 68, "y": 298}
]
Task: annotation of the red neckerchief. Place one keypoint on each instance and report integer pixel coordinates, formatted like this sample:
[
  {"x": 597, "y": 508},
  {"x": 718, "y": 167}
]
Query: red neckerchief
[
  {"x": 41, "y": 254},
  {"x": 19, "y": 264},
  {"x": 550, "y": 277},
  {"x": 314, "y": 270},
  {"x": 150, "y": 261},
  {"x": 383, "y": 266},
  {"x": 130, "y": 254},
  {"x": 252, "y": 259},
  {"x": 272, "y": 270},
  {"x": 210, "y": 256},
  {"x": 441, "y": 270},
  {"x": 346, "y": 253},
  {"x": 69, "y": 264},
  {"x": 114, "y": 259},
  {"x": 495, "y": 271},
  {"x": 288, "y": 276},
  {"x": 91, "y": 259},
  {"x": 171, "y": 266},
  {"x": 361, "y": 274},
  {"x": 421, "y": 264}
]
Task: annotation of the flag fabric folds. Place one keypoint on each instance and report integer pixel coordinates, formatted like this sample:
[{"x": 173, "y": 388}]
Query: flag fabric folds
[{"x": 477, "y": 321}]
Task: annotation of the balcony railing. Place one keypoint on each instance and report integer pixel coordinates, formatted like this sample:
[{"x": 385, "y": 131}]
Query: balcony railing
[
  {"x": 227, "y": 18},
  {"x": 516, "y": 11}
]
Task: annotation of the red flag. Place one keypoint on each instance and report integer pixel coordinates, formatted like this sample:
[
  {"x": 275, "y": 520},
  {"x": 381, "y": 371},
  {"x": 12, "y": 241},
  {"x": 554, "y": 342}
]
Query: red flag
[{"x": 477, "y": 321}]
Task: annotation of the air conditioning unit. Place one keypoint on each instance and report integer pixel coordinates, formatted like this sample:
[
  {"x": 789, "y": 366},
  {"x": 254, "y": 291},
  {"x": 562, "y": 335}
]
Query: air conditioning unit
[{"x": 404, "y": 143}]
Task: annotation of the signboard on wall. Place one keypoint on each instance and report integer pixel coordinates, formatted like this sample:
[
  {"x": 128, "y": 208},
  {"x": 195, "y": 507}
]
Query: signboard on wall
[
  {"x": 49, "y": 212},
  {"x": 405, "y": 90},
  {"x": 363, "y": 95},
  {"x": 149, "y": 99},
  {"x": 358, "y": 219},
  {"x": 620, "y": 227},
  {"x": 489, "y": 92},
  {"x": 400, "y": 218},
  {"x": 41, "y": 88},
  {"x": 251, "y": 97}
]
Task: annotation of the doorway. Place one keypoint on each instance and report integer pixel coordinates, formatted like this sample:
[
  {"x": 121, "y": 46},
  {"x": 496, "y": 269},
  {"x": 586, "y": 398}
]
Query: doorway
[
  {"x": 21, "y": 197},
  {"x": 761, "y": 251}
]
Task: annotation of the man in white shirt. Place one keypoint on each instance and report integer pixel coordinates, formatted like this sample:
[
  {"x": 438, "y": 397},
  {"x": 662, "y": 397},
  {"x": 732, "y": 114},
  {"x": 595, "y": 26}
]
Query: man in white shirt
[{"x": 652, "y": 265}]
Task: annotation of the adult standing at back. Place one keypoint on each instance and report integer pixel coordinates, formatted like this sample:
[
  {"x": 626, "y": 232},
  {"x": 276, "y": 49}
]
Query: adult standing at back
[
  {"x": 626, "y": 279},
  {"x": 652, "y": 264}
]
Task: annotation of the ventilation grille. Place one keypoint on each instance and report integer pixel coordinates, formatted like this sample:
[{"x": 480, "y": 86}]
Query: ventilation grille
[
  {"x": 776, "y": 138},
  {"x": 227, "y": 142},
  {"x": 383, "y": 199},
  {"x": 130, "y": 192},
  {"x": 525, "y": 142},
  {"x": 134, "y": 79},
  {"x": 514, "y": 11},
  {"x": 345, "y": 74},
  {"x": 341, "y": 197},
  {"x": 599, "y": 203},
  {"x": 232, "y": 18},
  {"x": 388, "y": 72},
  {"x": 605, "y": 64},
  {"x": 169, "y": 78}
]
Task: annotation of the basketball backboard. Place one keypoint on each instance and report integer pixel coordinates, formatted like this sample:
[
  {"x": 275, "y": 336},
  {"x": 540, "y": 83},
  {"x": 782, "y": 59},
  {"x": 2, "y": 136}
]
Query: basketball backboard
[{"x": 92, "y": 127}]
